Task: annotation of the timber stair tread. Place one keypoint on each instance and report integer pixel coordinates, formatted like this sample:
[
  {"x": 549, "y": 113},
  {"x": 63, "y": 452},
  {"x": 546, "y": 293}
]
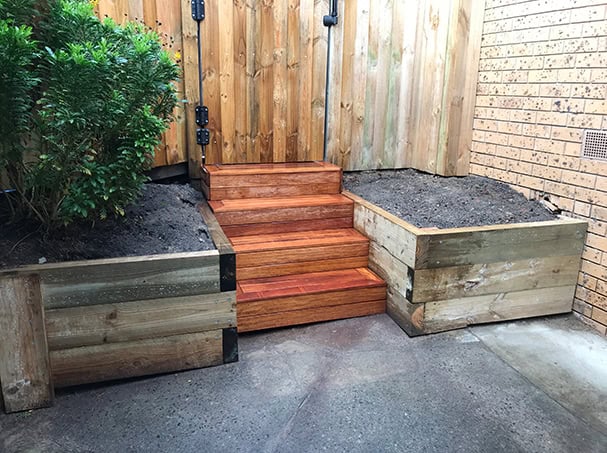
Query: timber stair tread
[
  {"x": 297, "y": 239},
  {"x": 306, "y": 284},
  {"x": 298, "y": 257},
  {"x": 277, "y": 168},
  {"x": 254, "y": 204}
]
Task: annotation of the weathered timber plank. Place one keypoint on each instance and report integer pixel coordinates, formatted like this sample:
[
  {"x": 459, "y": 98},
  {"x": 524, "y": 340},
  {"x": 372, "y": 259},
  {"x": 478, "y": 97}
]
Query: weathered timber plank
[
  {"x": 218, "y": 236},
  {"x": 24, "y": 365},
  {"x": 225, "y": 38},
  {"x": 131, "y": 321},
  {"x": 323, "y": 265},
  {"x": 268, "y": 321},
  {"x": 478, "y": 279},
  {"x": 410, "y": 317},
  {"x": 392, "y": 270},
  {"x": 390, "y": 232},
  {"x": 480, "y": 245},
  {"x": 137, "y": 358},
  {"x": 127, "y": 279},
  {"x": 456, "y": 313},
  {"x": 305, "y": 301}
]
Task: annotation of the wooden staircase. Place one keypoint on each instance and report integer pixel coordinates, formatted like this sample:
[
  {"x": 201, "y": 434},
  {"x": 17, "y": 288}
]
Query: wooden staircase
[{"x": 298, "y": 257}]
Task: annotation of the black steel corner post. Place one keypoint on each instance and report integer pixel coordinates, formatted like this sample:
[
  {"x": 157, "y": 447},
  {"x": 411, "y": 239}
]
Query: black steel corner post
[
  {"x": 328, "y": 21},
  {"x": 203, "y": 136}
]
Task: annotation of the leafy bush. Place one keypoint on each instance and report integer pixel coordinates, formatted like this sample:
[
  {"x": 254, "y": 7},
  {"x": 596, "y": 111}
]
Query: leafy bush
[{"x": 82, "y": 106}]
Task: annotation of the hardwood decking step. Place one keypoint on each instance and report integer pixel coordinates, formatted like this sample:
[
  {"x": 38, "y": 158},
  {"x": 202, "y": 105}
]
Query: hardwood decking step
[
  {"x": 285, "y": 210},
  {"x": 271, "y": 255},
  {"x": 265, "y": 303},
  {"x": 222, "y": 182}
]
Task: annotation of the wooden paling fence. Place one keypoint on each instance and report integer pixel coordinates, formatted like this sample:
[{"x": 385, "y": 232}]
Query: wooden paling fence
[{"x": 403, "y": 80}]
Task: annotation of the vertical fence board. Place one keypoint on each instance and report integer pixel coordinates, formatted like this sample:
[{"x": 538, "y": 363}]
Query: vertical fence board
[
  {"x": 306, "y": 30},
  {"x": 294, "y": 65},
  {"x": 279, "y": 97},
  {"x": 402, "y": 80}
]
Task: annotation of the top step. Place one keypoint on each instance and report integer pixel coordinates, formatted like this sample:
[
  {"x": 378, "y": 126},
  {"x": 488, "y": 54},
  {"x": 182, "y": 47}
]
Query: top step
[{"x": 234, "y": 181}]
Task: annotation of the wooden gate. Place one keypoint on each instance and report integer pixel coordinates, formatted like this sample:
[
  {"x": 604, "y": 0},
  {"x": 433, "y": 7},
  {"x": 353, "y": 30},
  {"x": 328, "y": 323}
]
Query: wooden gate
[
  {"x": 403, "y": 80},
  {"x": 264, "y": 69}
]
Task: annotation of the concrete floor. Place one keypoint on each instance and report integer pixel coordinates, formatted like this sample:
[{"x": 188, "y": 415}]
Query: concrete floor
[{"x": 357, "y": 385}]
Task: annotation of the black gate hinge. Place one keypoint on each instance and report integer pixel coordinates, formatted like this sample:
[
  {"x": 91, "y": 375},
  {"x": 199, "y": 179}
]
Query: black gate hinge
[
  {"x": 202, "y": 115},
  {"x": 198, "y": 10},
  {"x": 203, "y": 136}
]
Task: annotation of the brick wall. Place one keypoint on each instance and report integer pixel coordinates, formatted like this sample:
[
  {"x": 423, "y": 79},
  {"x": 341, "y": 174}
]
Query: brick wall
[{"x": 542, "y": 81}]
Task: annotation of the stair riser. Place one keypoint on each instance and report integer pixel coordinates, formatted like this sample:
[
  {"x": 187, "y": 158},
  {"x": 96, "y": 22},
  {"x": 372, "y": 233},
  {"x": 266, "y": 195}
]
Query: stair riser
[
  {"x": 293, "y": 268},
  {"x": 264, "y": 186},
  {"x": 286, "y": 227},
  {"x": 309, "y": 315},
  {"x": 301, "y": 302},
  {"x": 285, "y": 214},
  {"x": 298, "y": 255}
]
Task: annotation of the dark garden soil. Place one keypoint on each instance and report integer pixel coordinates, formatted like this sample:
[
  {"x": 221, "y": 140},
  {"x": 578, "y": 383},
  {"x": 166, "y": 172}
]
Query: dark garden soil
[
  {"x": 434, "y": 201},
  {"x": 163, "y": 220}
]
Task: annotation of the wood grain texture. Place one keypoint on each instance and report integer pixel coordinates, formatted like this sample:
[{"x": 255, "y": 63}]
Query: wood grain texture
[
  {"x": 410, "y": 317},
  {"x": 387, "y": 230},
  {"x": 137, "y": 358},
  {"x": 309, "y": 315},
  {"x": 127, "y": 279},
  {"x": 321, "y": 265},
  {"x": 25, "y": 377},
  {"x": 456, "y": 313},
  {"x": 131, "y": 321},
  {"x": 479, "y": 245},
  {"x": 279, "y": 227},
  {"x": 312, "y": 283},
  {"x": 300, "y": 210},
  {"x": 478, "y": 279}
]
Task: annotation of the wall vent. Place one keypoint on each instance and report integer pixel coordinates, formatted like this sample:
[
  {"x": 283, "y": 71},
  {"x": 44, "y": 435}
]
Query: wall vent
[{"x": 594, "y": 144}]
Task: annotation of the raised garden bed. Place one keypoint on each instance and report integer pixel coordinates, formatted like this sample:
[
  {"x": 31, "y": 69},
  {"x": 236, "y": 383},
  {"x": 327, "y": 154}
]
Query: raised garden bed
[
  {"x": 78, "y": 322},
  {"x": 442, "y": 279}
]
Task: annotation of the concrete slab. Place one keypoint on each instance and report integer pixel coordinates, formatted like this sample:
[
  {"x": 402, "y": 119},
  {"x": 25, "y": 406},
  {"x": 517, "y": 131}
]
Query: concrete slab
[
  {"x": 560, "y": 356},
  {"x": 357, "y": 385}
]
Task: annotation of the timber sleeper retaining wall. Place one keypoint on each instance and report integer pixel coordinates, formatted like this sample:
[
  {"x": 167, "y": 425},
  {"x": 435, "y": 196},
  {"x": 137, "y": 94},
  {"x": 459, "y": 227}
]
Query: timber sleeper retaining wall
[
  {"x": 81, "y": 322},
  {"x": 443, "y": 279}
]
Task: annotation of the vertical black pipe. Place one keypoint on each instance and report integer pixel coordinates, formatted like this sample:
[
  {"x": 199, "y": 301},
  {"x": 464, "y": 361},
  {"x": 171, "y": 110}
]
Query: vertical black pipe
[{"x": 200, "y": 87}]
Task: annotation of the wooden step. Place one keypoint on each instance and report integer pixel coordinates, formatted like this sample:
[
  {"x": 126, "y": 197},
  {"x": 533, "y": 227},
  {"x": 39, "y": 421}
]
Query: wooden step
[
  {"x": 287, "y": 211},
  {"x": 224, "y": 182},
  {"x": 265, "y": 303},
  {"x": 271, "y": 255}
]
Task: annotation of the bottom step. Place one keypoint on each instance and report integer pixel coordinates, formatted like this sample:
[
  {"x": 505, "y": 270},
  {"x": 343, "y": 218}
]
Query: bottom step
[{"x": 266, "y": 303}]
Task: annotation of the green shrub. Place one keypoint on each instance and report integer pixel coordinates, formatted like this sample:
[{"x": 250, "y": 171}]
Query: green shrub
[{"x": 97, "y": 97}]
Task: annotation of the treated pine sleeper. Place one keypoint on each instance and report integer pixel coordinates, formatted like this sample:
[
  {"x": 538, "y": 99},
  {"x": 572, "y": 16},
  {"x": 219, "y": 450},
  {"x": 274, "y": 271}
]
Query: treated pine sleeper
[
  {"x": 136, "y": 358},
  {"x": 25, "y": 377},
  {"x": 126, "y": 279},
  {"x": 139, "y": 320}
]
